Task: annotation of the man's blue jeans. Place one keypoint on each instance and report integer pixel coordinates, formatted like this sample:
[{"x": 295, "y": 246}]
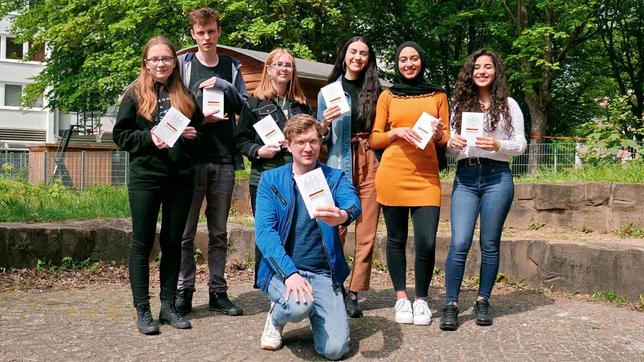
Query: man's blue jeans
[
  {"x": 327, "y": 313},
  {"x": 487, "y": 190}
]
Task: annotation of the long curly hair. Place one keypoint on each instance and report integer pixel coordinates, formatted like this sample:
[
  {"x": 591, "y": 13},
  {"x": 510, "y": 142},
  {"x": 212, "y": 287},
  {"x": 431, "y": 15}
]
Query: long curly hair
[
  {"x": 466, "y": 95},
  {"x": 368, "y": 94}
]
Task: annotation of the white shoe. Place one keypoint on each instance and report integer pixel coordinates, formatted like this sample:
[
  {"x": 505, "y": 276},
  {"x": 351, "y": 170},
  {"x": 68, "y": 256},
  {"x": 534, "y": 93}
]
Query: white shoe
[
  {"x": 403, "y": 311},
  {"x": 272, "y": 335},
  {"x": 422, "y": 313}
]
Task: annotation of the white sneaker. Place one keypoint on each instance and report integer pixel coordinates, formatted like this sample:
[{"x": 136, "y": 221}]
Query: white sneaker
[
  {"x": 272, "y": 335},
  {"x": 422, "y": 313},
  {"x": 403, "y": 311}
]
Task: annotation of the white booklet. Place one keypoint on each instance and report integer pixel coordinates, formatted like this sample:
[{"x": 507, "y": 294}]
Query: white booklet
[
  {"x": 314, "y": 190},
  {"x": 472, "y": 125},
  {"x": 334, "y": 96},
  {"x": 171, "y": 126},
  {"x": 269, "y": 131},
  {"x": 425, "y": 128},
  {"x": 213, "y": 100}
]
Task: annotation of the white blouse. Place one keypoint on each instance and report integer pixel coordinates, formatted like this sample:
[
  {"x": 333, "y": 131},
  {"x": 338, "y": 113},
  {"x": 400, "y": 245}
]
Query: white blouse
[{"x": 512, "y": 145}]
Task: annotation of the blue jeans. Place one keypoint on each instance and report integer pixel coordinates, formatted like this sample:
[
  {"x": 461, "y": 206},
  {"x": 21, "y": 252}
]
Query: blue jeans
[
  {"x": 487, "y": 190},
  {"x": 327, "y": 313}
]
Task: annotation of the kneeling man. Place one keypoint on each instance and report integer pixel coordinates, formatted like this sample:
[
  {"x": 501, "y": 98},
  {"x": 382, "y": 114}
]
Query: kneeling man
[{"x": 303, "y": 267}]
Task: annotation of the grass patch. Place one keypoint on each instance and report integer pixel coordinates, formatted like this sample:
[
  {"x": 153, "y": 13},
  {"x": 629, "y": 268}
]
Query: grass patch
[
  {"x": 629, "y": 230},
  {"x": 609, "y": 296},
  {"x": 67, "y": 264},
  {"x": 20, "y": 201},
  {"x": 630, "y": 172}
]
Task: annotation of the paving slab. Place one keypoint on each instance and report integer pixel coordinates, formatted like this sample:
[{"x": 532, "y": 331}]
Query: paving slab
[{"x": 98, "y": 323}]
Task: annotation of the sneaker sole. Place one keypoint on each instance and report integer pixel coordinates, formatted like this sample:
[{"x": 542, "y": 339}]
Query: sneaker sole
[
  {"x": 271, "y": 347},
  {"x": 448, "y": 327},
  {"x": 223, "y": 311},
  {"x": 483, "y": 323},
  {"x": 405, "y": 320},
  {"x": 423, "y": 322},
  {"x": 149, "y": 332}
]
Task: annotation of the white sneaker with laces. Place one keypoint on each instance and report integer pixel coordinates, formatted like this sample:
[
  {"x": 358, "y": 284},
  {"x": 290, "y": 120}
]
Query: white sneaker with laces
[
  {"x": 404, "y": 313},
  {"x": 272, "y": 335},
  {"x": 422, "y": 313}
]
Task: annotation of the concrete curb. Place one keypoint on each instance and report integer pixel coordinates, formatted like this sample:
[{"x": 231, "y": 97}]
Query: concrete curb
[{"x": 572, "y": 266}]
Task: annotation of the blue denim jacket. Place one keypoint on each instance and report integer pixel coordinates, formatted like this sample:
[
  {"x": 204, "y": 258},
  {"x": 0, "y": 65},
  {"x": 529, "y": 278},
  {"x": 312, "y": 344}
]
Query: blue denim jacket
[
  {"x": 275, "y": 212},
  {"x": 338, "y": 138}
]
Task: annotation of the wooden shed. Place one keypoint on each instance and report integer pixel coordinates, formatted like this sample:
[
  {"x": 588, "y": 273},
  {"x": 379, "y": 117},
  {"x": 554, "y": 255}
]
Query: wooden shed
[{"x": 312, "y": 75}]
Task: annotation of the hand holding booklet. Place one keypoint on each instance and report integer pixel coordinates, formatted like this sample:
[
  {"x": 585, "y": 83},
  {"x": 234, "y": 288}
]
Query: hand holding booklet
[
  {"x": 424, "y": 127},
  {"x": 333, "y": 95},
  {"x": 171, "y": 126},
  {"x": 472, "y": 125},
  {"x": 213, "y": 101},
  {"x": 269, "y": 131},
  {"x": 314, "y": 190}
]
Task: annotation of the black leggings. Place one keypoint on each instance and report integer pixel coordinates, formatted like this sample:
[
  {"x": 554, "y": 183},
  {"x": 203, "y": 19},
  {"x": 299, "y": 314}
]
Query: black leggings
[
  {"x": 145, "y": 205},
  {"x": 425, "y": 221}
]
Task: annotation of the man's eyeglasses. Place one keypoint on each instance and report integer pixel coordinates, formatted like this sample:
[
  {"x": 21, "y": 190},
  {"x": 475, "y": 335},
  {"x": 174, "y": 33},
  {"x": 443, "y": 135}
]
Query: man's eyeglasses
[
  {"x": 164, "y": 60},
  {"x": 313, "y": 142},
  {"x": 281, "y": 65}
]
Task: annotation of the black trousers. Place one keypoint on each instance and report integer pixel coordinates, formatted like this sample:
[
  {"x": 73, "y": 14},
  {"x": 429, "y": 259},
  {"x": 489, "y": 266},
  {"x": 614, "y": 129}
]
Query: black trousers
[
  {"x": 425, "y": 222},
  {"x": 258, "y": 254},
  {"x": 174, "y": 198}
]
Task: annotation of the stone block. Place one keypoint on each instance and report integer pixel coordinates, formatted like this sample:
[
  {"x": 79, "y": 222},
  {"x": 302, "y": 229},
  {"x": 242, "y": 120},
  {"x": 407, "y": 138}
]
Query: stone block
[
  {"x": 520, "y": 214},
  {"x": 523, "y": 192},
  {"x": 597, "y": 193},
  {"x": 627, "y": 196},
  {"x": 595, "y": 218},
  {"x": 559, "y": 197},
  {"x": 4, "y": 252}
]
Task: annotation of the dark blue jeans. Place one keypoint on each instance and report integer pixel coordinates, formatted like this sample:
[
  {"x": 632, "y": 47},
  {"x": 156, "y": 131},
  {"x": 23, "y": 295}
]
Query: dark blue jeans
[{"x": 487, "y": 190}]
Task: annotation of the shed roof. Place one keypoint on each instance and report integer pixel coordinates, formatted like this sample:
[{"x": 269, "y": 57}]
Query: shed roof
[{"x": 305, "y": 68}]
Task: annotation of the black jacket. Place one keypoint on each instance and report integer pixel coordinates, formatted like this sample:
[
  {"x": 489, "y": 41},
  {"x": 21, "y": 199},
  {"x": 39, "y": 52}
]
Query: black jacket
[
  {"x": 248, "y": 141},
  {"x": 150, "y": 166}
]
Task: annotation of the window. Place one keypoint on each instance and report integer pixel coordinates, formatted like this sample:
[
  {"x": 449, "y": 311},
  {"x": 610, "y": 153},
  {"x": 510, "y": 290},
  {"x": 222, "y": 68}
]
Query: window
[
  {"x": 12, "y": 94},
  {"x": 14, "y": 49}
]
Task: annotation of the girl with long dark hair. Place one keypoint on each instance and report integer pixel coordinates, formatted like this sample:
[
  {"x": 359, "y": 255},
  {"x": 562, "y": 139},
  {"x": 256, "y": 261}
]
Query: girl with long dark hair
[
  {"x": 160, "y": 177},
  {"x": 347, "y": 136},
  {"x": 408, "y": 181},
  {"x": 483, "y": 185}
]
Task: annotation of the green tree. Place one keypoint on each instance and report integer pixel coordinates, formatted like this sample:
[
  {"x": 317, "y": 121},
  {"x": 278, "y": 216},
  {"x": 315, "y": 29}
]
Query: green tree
[
  {"x": 546, "y": 31},
  {"x": 621, "y": 25},
  {"x": 93, "y": 46}
]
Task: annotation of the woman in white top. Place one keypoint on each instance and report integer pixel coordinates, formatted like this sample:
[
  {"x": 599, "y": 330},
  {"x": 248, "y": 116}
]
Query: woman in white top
[{"x": 483, "y": 184}]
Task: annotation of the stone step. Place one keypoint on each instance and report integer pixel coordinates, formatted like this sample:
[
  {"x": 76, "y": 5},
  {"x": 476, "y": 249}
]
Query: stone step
[{"x": 573, "y": 266}]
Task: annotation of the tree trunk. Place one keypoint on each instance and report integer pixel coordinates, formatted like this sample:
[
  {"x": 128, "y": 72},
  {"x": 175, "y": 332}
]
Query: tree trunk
[{"x": 539, "y": 121}]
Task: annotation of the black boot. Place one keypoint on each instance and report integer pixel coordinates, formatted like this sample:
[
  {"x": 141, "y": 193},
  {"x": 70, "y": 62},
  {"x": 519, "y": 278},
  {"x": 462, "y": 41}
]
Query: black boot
[
  {"x": 145, "y": 322},
  {"x": 483, "y": 311},
  {"x": 169, "y": 314},
  {"x": 449, "y": 317},
  {"x": 351, "y": 305},
  {"x": 219, "y": 302},
  {"x": 183, "y": 302}
]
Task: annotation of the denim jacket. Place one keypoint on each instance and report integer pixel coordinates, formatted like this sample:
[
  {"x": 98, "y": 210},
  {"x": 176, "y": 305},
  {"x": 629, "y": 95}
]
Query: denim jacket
[
  {"x": 338, "y": 138},
  {"x": 275, "y": 212}
]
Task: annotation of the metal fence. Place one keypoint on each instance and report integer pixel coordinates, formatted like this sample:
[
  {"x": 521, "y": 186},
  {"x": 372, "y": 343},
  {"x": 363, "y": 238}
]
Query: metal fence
[{"x": 84, "y": 169}]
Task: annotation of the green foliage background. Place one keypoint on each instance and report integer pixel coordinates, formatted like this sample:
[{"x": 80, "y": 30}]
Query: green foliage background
[{"x": 563, "y": 56}]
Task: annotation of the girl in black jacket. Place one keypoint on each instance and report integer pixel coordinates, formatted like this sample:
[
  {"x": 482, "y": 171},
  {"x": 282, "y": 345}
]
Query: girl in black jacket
[
  {"x": 278, "y": 94},
  {"x": 160, "y": 175}
]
